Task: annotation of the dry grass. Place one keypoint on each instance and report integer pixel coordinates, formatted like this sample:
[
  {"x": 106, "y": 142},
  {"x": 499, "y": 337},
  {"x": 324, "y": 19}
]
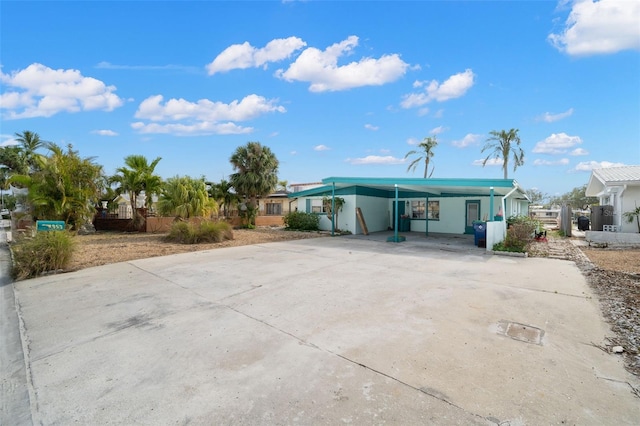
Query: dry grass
[{"x": 103, "y": 248}]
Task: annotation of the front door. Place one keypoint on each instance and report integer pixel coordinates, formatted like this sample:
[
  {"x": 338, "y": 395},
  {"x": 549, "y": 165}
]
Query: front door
[{"x": 472, "y": 214}]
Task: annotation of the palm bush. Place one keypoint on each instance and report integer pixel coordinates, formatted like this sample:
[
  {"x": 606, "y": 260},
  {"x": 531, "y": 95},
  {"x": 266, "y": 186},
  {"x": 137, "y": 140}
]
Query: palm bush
[
  {"x": 47, "y": 251},
  {"x": 206, "y": 231}
]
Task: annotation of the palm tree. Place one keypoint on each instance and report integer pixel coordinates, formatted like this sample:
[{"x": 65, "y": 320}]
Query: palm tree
[
  {"x": 256, "y": 175},
  {"x": 29, "y": 143},
  {"x": 223, "y": 194},
  {"x": 64, "y": 187},
  {"x": 185, "y": 197},
  {"x": 425, "y": 153},
  {"x": 135, "y": 177},
  {"x": 503, "y": 144},
  {"x": 633, "y": 214}
]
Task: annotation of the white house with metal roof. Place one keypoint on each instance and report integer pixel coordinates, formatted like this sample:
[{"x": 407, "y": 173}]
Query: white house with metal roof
[
  {"x": 416, "y": 204},
  {"x": 618, "y": 187}
]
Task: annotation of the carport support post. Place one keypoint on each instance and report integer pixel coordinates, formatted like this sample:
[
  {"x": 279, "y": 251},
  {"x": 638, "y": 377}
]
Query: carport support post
[
  {"x": 333, "y": 208},
  {"x": 426, "y": 217},
  {"x": 490, "y": 204},
  {"x": 395, "y": 228}
]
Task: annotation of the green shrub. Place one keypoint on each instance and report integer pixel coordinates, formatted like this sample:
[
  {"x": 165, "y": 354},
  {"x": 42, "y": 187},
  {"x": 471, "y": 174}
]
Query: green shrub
[
  {"x": 205, "y": 232},
  {"x": 300, "y": 221},
  {"x": 47, "y": 251}
]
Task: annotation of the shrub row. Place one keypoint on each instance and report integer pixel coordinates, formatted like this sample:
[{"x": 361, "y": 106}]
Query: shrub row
[
  {"x": 204, "y": 232},
  {"x": 299, "y": 221}
]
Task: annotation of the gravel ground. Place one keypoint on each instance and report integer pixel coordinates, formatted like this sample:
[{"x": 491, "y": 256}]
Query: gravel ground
[{"x": 613, "y": 274}]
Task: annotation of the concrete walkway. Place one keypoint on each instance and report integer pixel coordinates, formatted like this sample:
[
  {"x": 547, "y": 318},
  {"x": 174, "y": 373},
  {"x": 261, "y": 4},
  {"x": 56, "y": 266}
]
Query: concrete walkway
[{"x": 322, "y": 331}]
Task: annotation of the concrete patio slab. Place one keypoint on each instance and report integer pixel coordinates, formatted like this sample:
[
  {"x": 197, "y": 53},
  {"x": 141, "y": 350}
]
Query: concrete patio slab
[{"x": 322, "y": 331}]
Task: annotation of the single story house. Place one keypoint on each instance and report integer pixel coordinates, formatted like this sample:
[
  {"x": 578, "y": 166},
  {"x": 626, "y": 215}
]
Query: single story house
[
  {"x": 415, "y": 204},
  {"x": 618, "y": 187}
]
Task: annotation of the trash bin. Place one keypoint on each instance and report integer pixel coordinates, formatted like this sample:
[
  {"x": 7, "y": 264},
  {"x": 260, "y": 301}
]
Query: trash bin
[
  {"x": 480, "y": 229},
  {"x": 404, "y": 225},
  {"x": 583, "y": 223}
]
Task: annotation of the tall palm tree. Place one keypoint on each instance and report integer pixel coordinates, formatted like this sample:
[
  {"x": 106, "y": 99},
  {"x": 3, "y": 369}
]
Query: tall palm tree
[
  {"x": 29, "y": 142},
  {"x": 135, "y": 177},
  {"x": 502, "y": 145},
  {"x": 256, "y": 174},
  {"x": 425, "y": 153}
]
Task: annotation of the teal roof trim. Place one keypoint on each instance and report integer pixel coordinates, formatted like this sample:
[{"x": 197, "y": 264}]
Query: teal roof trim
[{"x": 480, "y": 183}]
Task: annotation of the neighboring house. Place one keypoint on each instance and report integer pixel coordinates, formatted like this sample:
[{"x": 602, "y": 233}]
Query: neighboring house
[
  {"x": 618, "y": 187},
  {"x": 423, "y": 205}
]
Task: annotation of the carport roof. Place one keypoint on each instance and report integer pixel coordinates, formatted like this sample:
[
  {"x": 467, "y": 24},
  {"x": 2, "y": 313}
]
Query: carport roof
[{"x": 435, "y": 187}]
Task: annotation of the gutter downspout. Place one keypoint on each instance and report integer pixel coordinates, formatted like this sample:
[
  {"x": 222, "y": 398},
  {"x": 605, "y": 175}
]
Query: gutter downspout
[{"x": 619, "y": 201}]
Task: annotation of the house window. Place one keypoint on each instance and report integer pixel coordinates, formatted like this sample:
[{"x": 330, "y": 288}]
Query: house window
[
  {"x": 274, "y": 209},
  {"x": 417, "y": 210},
  {"x": 432, "y": 210},
  {"x": 317, "y": 207}
]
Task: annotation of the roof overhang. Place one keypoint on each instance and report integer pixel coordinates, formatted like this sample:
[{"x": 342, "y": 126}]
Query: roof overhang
[{"x": 434, "y": 187}]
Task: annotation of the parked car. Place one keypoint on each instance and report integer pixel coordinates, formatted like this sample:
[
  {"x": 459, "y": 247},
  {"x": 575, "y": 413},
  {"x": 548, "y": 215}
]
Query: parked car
[{"x": 5, "y": 212}]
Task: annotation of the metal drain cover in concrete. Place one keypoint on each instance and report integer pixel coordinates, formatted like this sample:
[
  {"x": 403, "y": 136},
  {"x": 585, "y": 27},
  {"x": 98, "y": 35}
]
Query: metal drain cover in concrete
[{"x": 521, "y": 332}]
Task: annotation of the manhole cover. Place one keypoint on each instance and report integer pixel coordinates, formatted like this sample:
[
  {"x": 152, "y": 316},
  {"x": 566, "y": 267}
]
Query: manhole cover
[{"x": 521, "y": 332}]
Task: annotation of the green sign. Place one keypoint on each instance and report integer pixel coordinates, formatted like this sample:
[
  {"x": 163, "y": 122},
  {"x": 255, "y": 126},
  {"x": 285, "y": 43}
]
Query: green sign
[{"x": 50, "y": 225}]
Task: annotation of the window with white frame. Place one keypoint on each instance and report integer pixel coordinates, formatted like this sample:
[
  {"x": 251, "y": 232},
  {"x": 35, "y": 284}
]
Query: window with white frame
[
  {"x": 421, "y": 208},
  {"x": 433, "y": 210}
]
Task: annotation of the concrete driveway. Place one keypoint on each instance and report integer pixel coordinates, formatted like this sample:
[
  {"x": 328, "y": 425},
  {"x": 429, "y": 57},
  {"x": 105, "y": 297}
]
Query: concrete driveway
[{"x": 322, "y": 331}]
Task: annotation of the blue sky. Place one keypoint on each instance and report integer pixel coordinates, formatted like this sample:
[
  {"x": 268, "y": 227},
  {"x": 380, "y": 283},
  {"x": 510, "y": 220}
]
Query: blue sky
[{"x": 333, "y": 88}]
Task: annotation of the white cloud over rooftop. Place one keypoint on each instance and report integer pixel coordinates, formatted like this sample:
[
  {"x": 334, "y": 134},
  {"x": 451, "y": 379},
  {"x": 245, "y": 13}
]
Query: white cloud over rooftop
[{"x": 453, "y": 87}]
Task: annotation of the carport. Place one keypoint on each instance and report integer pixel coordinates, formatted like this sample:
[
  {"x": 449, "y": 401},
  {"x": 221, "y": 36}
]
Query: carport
[{"x": 427, "y": 205}]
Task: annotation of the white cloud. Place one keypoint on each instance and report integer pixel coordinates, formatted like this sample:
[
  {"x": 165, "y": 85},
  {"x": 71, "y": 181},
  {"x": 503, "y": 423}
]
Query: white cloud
[
  {"x": 375, "y": 159},
  {"x": 371, "y": 127},
  {"x": 110, "y": 66},
  {"x": 550, "y": 118},
  {"x": 199, "y": 128},
  {"x": 203, "y": 116},
  {"x": 587, "y": 166},
  {"x": 241, "y": 56},
  {"x": 561, "y": 162},
  {"x": 321, "y": 148},
  {"x": 294, "y": 153},
  {"x": 557, "y": 143},
  {"x": 413, "y": 141},
  {"x": 599, "y": 27},
  {"x": 321, "y": 69},
  {"x": 490, "y": 162},
  {"x": 579, "y": 151},
  {"x": 438, "y": 130},
  {"x": 39, "y": 91},
  {"x": 104, "y": 132},
  {"x": 469, "y": 139},
  {"x": 454, "y": 87},
  {"x": 8, "y": 140}
]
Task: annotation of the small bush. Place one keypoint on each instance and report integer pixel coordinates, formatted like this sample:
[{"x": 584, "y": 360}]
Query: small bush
[
  {"x": 299, "y": 221},
  {"x": 46, "y": 251},
  {"x": 205, "y": 232}
]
